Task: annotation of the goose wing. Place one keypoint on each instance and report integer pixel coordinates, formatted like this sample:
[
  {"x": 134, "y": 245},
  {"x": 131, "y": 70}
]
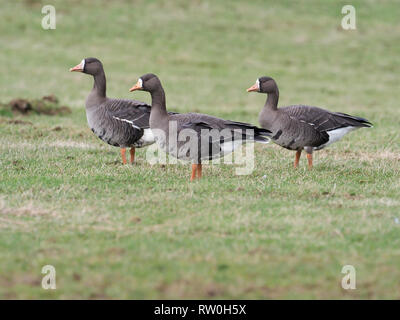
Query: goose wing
[
  {"x": 131, "y": 112},
  {"x": 197, "y": 122},
  {"x": 316, "y": 126},
  {"x": 324, "y": 120}
]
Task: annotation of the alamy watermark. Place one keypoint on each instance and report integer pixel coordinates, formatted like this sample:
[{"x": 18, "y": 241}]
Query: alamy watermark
[
  {"x": 349, "y": 280},
  {"x": 49, "y": 280},
  {"x": 349, "y": 20},
  {"x": 49, "y": 20},
  {"x": 205, "y": 145}
]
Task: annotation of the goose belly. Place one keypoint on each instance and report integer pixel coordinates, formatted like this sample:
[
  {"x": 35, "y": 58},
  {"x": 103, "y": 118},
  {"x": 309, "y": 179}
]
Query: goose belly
[
  {"x": 178, "y": 149},
  {"x": 146, "y": 139},
  {"x": 108, "y": 137},
  {"x": 104, "y": 132},
  {"x": 218, "y": 150},
  {"x": 229, "y": 147},
  {"x": 288, "y": 141},
  {"x": 189, "y": 151},
  {"x": 336, "y": 135}
]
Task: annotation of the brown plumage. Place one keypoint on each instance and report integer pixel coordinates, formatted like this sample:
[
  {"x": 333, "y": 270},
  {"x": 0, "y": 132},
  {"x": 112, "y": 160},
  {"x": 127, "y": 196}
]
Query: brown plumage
[
  {"x": 119, "y": 122},
  {"x": 301, "y": 127},
  {"x": 167, "y": 128}
]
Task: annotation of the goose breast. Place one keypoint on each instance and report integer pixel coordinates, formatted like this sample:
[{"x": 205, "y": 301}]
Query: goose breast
[{"x": 121, "y": 123}]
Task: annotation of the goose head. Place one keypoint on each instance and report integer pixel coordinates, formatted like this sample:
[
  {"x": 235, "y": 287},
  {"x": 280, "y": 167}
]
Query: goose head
[
  {"x": 148, "y": 82},
  {"x": 91, "y": 66},
  {"x": 263, "y": 85}
]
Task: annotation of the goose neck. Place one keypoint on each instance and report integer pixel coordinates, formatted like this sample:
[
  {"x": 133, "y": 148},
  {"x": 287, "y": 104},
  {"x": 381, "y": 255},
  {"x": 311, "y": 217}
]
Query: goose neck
[
  {"x": 158, "y": 103},
  {"x": 272, "y": 100},
  {"x": 99, "y": 86}
]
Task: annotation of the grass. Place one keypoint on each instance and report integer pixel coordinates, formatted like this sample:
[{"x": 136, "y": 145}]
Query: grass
[{"x": 141, "y": 231}]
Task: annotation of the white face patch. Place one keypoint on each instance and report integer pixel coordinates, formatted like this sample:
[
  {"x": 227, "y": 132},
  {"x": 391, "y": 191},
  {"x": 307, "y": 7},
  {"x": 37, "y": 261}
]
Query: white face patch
[
  {"x": 258, "y": 85},
  {"x": 140, "y": 83},
  {"x": 83, "y": 64}
]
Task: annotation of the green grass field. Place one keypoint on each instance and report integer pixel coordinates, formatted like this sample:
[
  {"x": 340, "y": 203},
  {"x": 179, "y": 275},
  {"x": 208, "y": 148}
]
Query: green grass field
[{"x": 141, "y": 231}]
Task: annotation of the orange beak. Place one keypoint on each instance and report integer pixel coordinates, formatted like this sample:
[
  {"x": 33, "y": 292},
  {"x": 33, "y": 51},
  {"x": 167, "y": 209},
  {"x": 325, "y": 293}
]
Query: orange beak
[
  {"x": 253, "y": 88},
  {"x": 137, "y": 86},
  {"x": 77, "y": 68}
]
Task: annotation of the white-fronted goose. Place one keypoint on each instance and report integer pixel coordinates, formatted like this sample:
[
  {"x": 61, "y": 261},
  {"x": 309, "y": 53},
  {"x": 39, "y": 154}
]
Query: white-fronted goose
[
  {"x": 118, "y": 122},
  {"x": 168, "y": 130},
  {"x": 301, "y": 127}
]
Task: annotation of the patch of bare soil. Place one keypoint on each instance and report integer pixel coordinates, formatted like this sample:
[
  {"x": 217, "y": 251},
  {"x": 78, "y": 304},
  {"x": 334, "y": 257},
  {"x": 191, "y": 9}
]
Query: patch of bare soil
[
  {"x": 17, "y": 121},
  {"x": 47, "y": 105}
]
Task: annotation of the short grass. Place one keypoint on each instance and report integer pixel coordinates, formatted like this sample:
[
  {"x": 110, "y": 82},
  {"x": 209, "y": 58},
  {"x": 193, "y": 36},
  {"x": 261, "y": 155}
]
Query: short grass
[{"x": 141, "y": 231}]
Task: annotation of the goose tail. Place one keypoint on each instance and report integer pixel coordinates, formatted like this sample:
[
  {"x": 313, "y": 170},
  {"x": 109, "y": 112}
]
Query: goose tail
[
  {"x": 258, "y": 134},
  {"x": 262, "y": 135},
  {"x": 355, "y": 121}
]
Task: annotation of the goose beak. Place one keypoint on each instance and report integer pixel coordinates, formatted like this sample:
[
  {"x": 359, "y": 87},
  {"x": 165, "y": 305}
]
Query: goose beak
[
  {"x": 253, "y": 88},
  {"x": 137, "y": 86},
  {"x": 77, "y": 68}
]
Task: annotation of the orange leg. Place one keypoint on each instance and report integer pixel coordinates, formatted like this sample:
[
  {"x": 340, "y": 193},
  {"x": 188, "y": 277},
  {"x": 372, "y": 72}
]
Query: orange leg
[
  {"x": 297, "y": 159},
  {"x": 309, "y": 157},
  {"x": 123, "y": 152},
  {"x": 199, "y": 170},
  {"x": 194, "y": 169},
  {"x": 132, "y": 151}
]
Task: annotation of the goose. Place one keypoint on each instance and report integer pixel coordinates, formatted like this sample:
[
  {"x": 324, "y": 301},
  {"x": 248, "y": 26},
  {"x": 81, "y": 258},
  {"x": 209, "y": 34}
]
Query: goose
[
  {"x": 301, "y": 127},
  {"x": 119, "y": 122},
  {"x": 169, "y": 128}
]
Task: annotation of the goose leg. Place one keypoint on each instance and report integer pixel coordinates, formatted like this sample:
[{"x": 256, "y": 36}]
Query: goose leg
[
  {"x": 297, "y": 159},
  {"x": 194, "y": 169},
  {"x": 309, "y": 157},
  {"x": 123, "y": 152},
  {"x": 199, "y": 170},
  {"x": 132, "y": 152}
]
